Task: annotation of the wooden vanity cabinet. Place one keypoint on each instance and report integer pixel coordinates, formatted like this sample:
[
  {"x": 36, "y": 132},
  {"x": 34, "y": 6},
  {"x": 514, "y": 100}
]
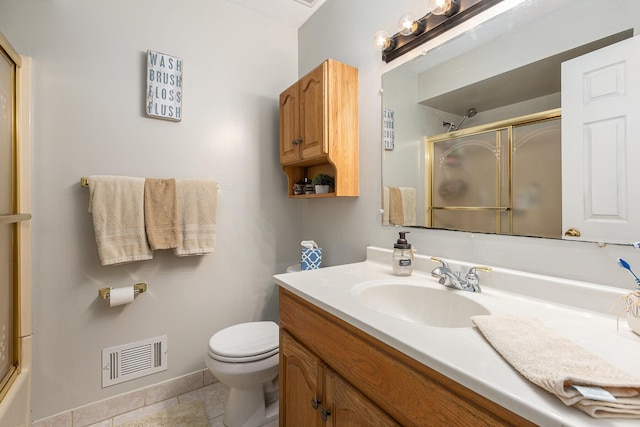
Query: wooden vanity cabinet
[
  {"x": 363, "y": 381},
  {"x": 314, "y": 395},
  {"x": 319, "y": 128}
]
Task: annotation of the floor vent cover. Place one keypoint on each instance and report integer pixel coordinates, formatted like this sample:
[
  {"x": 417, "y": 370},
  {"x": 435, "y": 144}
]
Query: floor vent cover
[{"x": 133, "y": 360}]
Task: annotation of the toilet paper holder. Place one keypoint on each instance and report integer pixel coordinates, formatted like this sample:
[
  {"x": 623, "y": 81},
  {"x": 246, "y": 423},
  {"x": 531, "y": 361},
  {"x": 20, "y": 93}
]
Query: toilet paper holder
[{"x": 138, "y": 288}]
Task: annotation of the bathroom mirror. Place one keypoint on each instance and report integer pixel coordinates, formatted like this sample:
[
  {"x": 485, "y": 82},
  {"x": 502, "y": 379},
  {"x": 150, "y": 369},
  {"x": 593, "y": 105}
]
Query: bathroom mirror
[{"x": 506, "y": 69}]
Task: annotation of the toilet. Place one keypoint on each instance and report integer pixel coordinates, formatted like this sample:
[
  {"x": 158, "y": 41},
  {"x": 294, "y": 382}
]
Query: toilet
[{"x": 245, "y": 358}]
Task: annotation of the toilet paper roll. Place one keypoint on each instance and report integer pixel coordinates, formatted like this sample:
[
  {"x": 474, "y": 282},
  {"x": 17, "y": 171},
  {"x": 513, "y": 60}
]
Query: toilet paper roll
[{"x": 119, "y": 296}]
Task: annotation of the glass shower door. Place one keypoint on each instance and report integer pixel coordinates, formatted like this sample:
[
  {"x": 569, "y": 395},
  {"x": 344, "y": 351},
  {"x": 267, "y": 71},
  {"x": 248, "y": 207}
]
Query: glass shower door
[
  {"x": 490, "y": 180},
  {"x": 537, "y": 197},
  {"x": 467, "y": 176},
  {"x": 7, "y": 173}
]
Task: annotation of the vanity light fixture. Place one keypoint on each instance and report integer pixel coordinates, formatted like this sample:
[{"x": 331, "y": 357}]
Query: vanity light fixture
[{"x": 443, "y": 15}]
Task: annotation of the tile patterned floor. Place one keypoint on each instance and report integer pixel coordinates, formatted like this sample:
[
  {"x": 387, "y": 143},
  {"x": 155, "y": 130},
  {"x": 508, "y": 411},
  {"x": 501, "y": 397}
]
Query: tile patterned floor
[{"x": 141, "y": 403}]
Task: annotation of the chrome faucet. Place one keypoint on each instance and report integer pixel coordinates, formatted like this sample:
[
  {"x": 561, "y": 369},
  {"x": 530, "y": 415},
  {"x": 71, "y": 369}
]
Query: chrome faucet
[{"x": 446, "y": 277}]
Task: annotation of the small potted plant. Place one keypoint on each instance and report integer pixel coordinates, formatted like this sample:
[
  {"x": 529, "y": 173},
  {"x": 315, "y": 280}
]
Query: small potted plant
[{"x": 322, "y": 183}]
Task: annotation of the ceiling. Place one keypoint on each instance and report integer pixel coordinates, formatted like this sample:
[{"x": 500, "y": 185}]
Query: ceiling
[{"x": 293, "y": 13}]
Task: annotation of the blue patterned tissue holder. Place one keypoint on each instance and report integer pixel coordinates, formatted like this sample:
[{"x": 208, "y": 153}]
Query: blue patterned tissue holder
[{"x": 311, "y": 259}]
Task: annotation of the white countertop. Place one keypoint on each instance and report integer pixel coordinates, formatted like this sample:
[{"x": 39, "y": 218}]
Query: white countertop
[{"x": 585, "y": 313}]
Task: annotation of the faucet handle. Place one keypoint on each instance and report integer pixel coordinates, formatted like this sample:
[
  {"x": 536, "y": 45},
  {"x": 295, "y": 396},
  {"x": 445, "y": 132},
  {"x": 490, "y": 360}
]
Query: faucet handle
[
  {"x": 472, "y": 270},
  {"x": 441, "y": 261},
  {"x": 472, "y": 277}
]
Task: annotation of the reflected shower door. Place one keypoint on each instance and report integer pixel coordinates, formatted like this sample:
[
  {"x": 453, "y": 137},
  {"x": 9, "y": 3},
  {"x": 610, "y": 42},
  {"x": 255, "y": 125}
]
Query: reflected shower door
[
  {"x": 537, "y": 197},
  {"x": 467, "y": 190}
]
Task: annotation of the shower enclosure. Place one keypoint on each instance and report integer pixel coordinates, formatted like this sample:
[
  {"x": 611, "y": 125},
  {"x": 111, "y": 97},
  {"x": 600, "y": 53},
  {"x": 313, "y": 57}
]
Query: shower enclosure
[{"x": 488, "y": 178}]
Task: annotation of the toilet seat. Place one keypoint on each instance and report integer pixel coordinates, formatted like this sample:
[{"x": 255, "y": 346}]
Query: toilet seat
[{"x": 245, "y": 342}]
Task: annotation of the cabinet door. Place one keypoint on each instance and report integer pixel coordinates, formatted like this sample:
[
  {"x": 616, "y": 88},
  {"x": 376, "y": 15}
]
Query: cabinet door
[
  {"x": 313, "y": 104},
  {"x": 300, "y": 384},
  {"x": 350, "y": 408},
  {"x": 290, "y": 135}
]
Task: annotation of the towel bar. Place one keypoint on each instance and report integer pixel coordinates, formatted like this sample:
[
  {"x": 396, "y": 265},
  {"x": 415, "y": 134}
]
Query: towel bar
[
  {"x": 138, "y": 288},
  {"x": 84, "y": 181}
]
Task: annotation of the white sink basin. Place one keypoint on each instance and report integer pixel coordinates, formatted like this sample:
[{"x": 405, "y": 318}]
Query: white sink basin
[{"x": 419, "y": 303}]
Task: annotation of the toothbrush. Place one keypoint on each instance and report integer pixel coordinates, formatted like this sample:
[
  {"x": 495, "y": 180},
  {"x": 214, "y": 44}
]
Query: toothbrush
[{"x": 624, "y": 264}]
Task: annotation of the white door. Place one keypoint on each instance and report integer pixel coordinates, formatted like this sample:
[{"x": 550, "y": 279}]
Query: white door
[{"x": 601, "y": 144}]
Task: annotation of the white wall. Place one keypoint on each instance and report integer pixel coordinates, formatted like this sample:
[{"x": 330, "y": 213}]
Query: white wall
[
  {"x": 89, "y": 62},
  {"x": 344, "y": 31}
]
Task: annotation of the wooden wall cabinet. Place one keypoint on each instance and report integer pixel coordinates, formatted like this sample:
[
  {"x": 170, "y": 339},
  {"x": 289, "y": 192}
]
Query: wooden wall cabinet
[
  {"x": 361, "y": 381},
  {"x": 319, "y": 128}
]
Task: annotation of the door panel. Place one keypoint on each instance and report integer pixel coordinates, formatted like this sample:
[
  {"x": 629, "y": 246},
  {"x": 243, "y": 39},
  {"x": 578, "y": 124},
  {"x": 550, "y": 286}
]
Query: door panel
[
  {"x": 313, "y": 113},
  {"x": 300, "y": 376},
  {"x": 349, "y": 407},
  {"x": 289, "y": 125},
  {"x": 601, "y": 143}
]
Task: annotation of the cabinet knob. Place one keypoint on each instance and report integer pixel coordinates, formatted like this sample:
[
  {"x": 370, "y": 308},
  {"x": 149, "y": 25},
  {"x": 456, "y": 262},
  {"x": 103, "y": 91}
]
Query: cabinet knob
[
  {"x": 315, "y": 403},
  {"x": 325, "y": 414},
  {"x": 297, "y": 141},
  {"x": 572, "y": 232}
]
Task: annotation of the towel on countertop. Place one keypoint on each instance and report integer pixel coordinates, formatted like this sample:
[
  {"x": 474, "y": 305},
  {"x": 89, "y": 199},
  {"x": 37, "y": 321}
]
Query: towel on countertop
[
  {"x": 117, "y": 206},
  {"x": 160, "y": 213},
  {"x": 402, "y": 205},
  {"x": 197, "y": 202},
  {"x": 555, "y": 363}
]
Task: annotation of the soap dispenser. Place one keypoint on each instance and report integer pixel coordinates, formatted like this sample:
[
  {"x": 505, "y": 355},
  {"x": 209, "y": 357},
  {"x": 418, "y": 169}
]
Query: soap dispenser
[{"x": 402, "y": 256}]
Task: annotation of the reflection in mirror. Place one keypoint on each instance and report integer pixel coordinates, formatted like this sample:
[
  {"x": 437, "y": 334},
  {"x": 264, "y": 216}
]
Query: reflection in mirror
[
  {"x": 468, "y": 95},
  {"x": 487, "y": 179}
]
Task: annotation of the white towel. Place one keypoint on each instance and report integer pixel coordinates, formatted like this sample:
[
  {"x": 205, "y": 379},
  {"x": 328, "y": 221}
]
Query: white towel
[
  {"x": 197, "y": 200},
  {"x": 117, "y": 206},
  {"x": 555, "y": 363},
  {"x": 402, "y": 205}
]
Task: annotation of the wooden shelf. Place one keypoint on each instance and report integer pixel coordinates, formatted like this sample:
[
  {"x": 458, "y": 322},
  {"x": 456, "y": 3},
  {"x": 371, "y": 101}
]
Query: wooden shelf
[{"x": 312, "y": 196}]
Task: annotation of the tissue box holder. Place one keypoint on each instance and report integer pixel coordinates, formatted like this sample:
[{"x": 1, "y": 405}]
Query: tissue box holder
[{"x": 311, "y": 259}]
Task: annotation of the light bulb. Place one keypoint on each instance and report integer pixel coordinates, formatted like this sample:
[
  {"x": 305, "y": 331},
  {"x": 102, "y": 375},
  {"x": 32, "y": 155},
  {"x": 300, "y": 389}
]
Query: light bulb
[
  {"x": 444, "y": 7},
  {"x": 407, "y": 24},
  {"x": 381, "y": 40}
]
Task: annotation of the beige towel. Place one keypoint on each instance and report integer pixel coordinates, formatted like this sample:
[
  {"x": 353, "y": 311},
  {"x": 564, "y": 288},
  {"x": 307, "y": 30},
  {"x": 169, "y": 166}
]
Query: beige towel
[
  {"x": 197, "y": 202},
  {"x": 385, "y": 205},
  {"x": 117, "y": 205},
  {"x": 402, "y": 206},
  {"x": 555, "y": 363},
  {"x": 160, "y": 213}
]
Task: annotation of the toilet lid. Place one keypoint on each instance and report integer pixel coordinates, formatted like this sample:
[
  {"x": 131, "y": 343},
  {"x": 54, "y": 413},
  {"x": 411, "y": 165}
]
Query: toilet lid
[{"x": 245, "y": 342}]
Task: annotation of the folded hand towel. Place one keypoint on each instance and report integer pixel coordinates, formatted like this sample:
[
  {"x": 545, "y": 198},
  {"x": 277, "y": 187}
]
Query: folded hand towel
[
  {"x": 117, "y": 205},
  {"x": 555, "y": 363},
  {"x": 197, "y": 202},
  {"x": 160, "y": 213},
  {"x": 402, "y": 205}
]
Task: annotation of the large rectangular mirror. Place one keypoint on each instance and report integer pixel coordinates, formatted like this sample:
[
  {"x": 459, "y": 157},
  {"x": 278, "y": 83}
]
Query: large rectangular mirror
[{"x": 500, "y": 84}]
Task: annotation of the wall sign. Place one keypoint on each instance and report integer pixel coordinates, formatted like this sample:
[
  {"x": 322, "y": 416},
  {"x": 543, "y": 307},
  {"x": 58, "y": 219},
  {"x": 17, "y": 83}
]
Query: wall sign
[
  {"x": 387, "y": 129},
  {"x": 164, "y": 86}
]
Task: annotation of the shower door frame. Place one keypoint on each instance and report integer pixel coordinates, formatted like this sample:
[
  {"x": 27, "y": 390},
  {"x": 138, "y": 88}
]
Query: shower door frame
[
  {"x": 15, "y": 385},
  {"x": 504, "y": 125}
]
